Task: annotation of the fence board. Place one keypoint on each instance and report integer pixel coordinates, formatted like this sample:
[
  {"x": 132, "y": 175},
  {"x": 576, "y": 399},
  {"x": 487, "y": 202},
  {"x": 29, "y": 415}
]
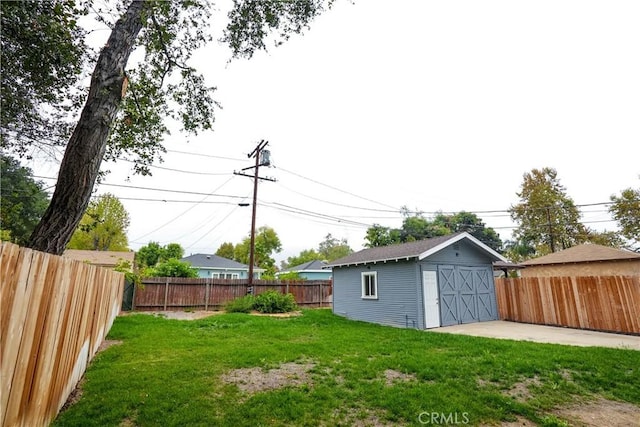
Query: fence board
[
  {"x": 603, "y": 303},
  {"x": 55, "y": 313},
  {"x": 211, "y": 294}
]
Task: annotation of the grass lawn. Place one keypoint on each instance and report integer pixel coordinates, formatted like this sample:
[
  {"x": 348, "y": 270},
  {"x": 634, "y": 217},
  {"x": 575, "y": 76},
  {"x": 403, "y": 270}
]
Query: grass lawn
[{"x": 321, "y": 369}]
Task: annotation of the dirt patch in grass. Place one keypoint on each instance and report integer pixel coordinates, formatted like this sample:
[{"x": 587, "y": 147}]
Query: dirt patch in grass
[
  {"x": 595, "y": 413},
  {"x": 520, "y": 390},
  {"x": 201, "y": 314},
  {"x": 392, "y": 376},
  {"x": 254, "y": 380},
  {"x": 289, "y": 314},
  {"x": 519, "y": 422},
  {"x": 360, "y": 418},
  {"x": 601, "y": 412},
  {"x": 105, "y": 344},
  {"x": 127, "y": 422},
  {"x": 176, "y": 315}
]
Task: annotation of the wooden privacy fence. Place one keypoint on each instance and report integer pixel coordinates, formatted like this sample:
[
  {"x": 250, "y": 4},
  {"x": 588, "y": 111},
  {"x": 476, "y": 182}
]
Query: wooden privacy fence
[
  {"x": 603, "y": 303},
  {"x": 55, "y": 314},
  {"x": 168, "y": 293}
]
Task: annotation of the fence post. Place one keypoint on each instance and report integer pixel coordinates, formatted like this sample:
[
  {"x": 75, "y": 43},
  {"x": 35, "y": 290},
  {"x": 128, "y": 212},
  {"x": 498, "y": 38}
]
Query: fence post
[
  {"x": 166, "y": 293},
  {"x": 206, "y": 295},
  {"x": 133, "y": 296}
]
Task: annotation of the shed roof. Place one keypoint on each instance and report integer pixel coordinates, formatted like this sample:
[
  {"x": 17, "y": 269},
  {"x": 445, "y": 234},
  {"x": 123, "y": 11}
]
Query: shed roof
[
  {"x": 102, "y": 258},
  {"x": 587, "y": 252},
  {"x": 314, "y": 265},
  {"x": 213, "y": 261},
  {"x": 419, "y": 249}
]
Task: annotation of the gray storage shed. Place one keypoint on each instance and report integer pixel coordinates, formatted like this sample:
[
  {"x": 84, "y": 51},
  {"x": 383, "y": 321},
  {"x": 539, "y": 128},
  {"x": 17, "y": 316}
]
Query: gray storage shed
[{"x": 429, "y": 283}]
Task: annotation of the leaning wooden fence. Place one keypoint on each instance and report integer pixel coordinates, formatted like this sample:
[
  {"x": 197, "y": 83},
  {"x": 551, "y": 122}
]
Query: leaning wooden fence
[
  {"x": 55, "y": 314},
  {"x": 603, "y": 303},
  {"x": 170, "y": 293}
]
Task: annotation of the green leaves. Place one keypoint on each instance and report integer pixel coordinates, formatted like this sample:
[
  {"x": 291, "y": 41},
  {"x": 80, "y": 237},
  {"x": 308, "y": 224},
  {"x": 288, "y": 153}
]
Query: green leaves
[
  {"x": 252, "y": 22},
  {"x": 172, "y": 268},
  {"x": 103, "y": 226},
  {"x": 328, "y": 250},
  {"x": 163, "y": 87},
  {"x": 626, "y": 210},
  {"x": 416, "y": 227},
  {"x": 547, "y": 217},
  {"x": 274, "y": 302},
  {"x": 22, "y": 203},
  {"x": 42, "y": 54},
  {"x": 266, "y": 243},
  {"x": 153, "y": 253},
  {"x": 240, "y": 305},
  {"x": 331, "y": 248}
]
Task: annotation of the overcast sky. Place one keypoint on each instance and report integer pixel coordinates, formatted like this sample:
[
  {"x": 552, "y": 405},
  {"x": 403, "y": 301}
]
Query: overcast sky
[{"x": 433, "y": 105}]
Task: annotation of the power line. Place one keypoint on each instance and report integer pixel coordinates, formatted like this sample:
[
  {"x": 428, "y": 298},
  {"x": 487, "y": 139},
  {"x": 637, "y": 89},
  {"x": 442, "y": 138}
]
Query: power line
[
  {"x": 315, "y": 218},
  {"x": 203, "y": 202},
  {"x": 316, "y": 214},
  {"x": 393, "y": 209},
  {"x": 342, "y": 191},
  {"x": 504, "y": 211},
  {"x": 339, "y": 204},
  {"x": 182, "y": 213},
  {"x": 320, "y": 217},
  {"x": 179, "y": 170},
  {"x": 212, "y": 228},
  {"x": 207, "y": 155},
  {"x": 161, "y": 189}
]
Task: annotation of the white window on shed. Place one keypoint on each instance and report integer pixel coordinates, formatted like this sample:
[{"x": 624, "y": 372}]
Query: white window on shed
[{"x": 370, "y": 285}]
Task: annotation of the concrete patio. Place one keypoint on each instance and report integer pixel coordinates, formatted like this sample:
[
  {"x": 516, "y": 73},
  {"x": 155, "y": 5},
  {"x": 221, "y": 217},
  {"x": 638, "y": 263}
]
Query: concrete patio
[{"x": 543, "y": 334}]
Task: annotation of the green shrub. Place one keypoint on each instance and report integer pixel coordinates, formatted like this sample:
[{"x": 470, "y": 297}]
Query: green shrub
[
  {"x": 172, "y": 268},
  {"x": 290, "y": 275},
  {"x": 274, "y": 302},
  {"x": 240, "y": 305}
]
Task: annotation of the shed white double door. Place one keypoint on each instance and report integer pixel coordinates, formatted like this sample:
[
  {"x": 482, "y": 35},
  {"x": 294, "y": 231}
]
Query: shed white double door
[{"x": 458, "y": 294}]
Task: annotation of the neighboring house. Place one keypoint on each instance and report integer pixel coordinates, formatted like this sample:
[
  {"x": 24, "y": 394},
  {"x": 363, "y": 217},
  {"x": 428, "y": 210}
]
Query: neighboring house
[
  {"x": 217, "y": 267},
  {"x": 312, "y": 270},
  {"x": 584, "y": 260},
  {"x": 429, "y": 283},
  {"x": 107, "y": 259}
]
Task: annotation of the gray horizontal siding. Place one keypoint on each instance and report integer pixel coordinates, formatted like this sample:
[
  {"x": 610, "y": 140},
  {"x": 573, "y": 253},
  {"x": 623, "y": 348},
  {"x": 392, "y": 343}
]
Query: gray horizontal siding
[
  {"x": 399, "y": 296},
  {"x": 460, "y": 253}
]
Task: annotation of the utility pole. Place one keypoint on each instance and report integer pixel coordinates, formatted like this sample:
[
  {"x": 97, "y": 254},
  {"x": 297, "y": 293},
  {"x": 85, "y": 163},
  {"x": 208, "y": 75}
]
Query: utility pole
[{"x": 262, "y": 159}]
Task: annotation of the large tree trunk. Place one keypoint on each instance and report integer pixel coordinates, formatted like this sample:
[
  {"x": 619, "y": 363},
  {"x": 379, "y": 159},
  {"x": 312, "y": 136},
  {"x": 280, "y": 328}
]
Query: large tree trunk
[{"x": 83, "y": 155}]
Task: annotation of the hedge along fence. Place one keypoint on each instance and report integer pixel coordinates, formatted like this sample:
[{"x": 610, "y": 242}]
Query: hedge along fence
[
  {"x": 55, "y": 314},
  {"x": 603, "y": 303},
  {"x": 170, "y": 293}
]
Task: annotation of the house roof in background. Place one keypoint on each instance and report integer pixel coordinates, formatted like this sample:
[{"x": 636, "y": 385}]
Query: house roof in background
[
  {"x": 214, "y": 261},
  {"x": 102, "y": 258},
  {"x": 419, "y": 249},
  {"x": 315, "y": 266},
  {"x": 584, "y": 253}
]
